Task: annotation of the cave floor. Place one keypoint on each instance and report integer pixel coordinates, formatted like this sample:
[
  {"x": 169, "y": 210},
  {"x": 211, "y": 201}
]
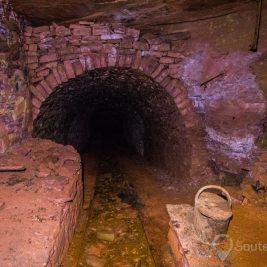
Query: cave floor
[{"x": 129, "y": 210}]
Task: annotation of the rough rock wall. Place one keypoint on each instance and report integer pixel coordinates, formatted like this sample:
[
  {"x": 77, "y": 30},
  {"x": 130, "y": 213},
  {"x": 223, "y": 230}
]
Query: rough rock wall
[
  {"x": 232, "y": 104},
  {"x": 14, "y": 94}
]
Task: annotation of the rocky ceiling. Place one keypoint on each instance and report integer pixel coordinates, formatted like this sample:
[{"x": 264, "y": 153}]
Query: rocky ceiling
[{"x": 138, "y": 13}]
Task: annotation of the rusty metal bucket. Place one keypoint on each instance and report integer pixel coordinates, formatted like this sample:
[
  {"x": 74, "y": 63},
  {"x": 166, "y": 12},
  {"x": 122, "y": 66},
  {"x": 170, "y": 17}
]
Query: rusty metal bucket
[{"x": 212, "y": 212}]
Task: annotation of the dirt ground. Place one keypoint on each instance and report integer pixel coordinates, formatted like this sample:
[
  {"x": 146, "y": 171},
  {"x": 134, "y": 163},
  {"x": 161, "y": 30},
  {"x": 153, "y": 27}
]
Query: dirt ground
[{"x": 146, "y": 191}]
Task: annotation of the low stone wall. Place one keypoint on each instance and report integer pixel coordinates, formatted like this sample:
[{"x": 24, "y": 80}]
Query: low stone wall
[{"x": 39, "y": 207}]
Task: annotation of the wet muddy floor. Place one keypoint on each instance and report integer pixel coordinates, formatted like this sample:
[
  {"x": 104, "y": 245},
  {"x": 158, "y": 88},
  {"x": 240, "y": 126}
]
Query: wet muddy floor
[{"x": 126, "y": 223}]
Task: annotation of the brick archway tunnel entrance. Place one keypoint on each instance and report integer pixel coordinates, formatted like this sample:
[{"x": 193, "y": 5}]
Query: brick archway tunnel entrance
[{"x": 117, "y": 107}]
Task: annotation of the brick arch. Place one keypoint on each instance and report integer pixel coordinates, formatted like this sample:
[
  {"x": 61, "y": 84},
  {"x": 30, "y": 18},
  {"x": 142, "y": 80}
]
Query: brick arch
[
  {"x": 148, "y": 65},
  {"x": 57, "y": 54}
]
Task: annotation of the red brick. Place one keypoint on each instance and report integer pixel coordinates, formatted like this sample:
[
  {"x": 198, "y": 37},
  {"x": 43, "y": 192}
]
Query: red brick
[
  {"x": 41, "y": 90},
  {"x": 82, "y": 31},
  {"x": 69, "y": 57},
  {"x": 33, "y": 47},
  {"x": 26, "y": 47},
  {"x": 83, "y": 22},
  {"x": 161, "y": 47},
  {"x": 56, "y": 74},
  {"x": 127, "y": 42},
  {"x": 111, "y": 36},
  {"x": 47, "y": 88},
  {"x": 176, "y": 91},
  {"x": 162, "y": 76},
  {"x": 35, "y": 112},
  {"x": 69, "y": 69},
  {"x": 75, "y": 40},
  {"x": 36, "y": 103},
  {"x": 45, "y": 36},
  {"x": 31, "y": 54},
  {"x": 184, "y": 111},
  {"x": 96, "y": 60},
  {"x": 41, "y": 29},
  {"x": 37, "y": 93},
  {"x": 62, "y": 73},
  {"x": 32, "y": 66},
  {"x": 28, "y": 40},
  {"x": 43, "y": 73},
  {"x": 158, "y": 54},
  {"x": 103, "y": 61},
  {"x": 78, "y": 69},
  {"x": 28, "y": 29},
  {"x": 101, "y": 29},
  {"x": 141, "y": 45},
  {"x": 181, "y": 96},
  {"x": 174, "y": 66},
  {"x": 138, "y": 60},
  {"x": 51, "y": 80},
  {"x": 133, "y": 32},
  {"x": 175, "y": 54},
  {"x": 129, "y": 60},
  {"x": 48, "y": 58},
  {"x": 92, "y": 47},
  {"x": 166, "y": 60},
  {"x": 83, "y": 62},
  {"x": 119, "y": 29},
  {"x": 32, "y": 60},
  {"x": 157, "y": 71},
  {"x": 89, "y": 63},
  {"x": 36, "y": 80},
  {"x": 122, "y": 59},
  {"x": 165, "y": 81},
  {"x": 89, "y": 39},
  {"x": 127, "y": 51},
  {"x": 182, "y": 104},
  {"x": 62, "y": 31},
  {"x": 109, "y": 48},
  {"x": 171, "y": 87},
  {"x": 149, "y": 64},
  {"x": 112, "y": 60}
]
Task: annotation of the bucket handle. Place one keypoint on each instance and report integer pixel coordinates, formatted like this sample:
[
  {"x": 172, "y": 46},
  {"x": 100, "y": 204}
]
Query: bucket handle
[{"x": 201, "y": 190}]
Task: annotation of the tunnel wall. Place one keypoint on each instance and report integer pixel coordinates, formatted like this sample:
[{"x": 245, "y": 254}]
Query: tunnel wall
[
  {"x": 14, "y": 94},
  {"x": 142, "y": 114},
  {"x": 57, "y": 54},
  {"x": 193, "y": 52}
]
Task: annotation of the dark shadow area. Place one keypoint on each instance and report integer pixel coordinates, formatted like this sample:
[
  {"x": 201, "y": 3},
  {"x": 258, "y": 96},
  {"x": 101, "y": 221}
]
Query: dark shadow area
[
  {"x": 108, "y": 130},
  {"x": 117, "y": 109}
]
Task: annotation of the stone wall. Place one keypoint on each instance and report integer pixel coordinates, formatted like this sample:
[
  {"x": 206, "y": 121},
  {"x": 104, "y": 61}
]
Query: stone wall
[
  {"x": 14, "y": 94},
  {"x": 57, "y": 54},
  {"x": 39, "y": 206}
]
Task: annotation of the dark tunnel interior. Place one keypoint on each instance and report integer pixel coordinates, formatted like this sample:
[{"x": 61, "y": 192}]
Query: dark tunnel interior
[{"x": 117, "y": 109}]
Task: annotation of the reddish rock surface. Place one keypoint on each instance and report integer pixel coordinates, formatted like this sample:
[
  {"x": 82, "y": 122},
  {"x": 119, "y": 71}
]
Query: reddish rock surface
[{"x": 41, "y": 204}]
